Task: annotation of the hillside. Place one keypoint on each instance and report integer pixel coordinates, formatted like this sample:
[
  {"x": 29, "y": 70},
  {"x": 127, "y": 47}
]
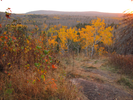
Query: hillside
[
  {"x": 56, "y": 18},
  {"x": 87, "y": 13}
]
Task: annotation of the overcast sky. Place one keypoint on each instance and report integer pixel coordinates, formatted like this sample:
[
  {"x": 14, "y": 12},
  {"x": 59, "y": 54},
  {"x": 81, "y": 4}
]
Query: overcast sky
[{"x": 23, "y": 6}]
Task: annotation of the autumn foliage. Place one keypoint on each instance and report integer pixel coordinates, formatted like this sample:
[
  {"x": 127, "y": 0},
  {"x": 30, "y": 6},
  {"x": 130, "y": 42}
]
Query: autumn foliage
[
  {"x": 27, "y": 65},
  {"x": 94, "y": 34},
  {"x": 89, "y": 38}
]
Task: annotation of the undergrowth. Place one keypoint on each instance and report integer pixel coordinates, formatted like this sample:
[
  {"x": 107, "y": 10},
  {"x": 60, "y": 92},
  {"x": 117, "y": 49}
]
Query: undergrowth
[
  {"x": 122, "y": 62},
  {"x": 29, "y": 68}
]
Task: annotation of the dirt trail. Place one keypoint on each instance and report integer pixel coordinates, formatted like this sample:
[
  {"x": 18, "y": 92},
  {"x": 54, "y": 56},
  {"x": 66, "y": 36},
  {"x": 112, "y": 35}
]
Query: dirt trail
[{"x": 98, "y": 83}]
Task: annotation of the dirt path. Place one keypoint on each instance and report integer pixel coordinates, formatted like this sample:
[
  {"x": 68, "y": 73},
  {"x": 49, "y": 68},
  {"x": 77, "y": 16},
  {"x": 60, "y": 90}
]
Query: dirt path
[
  {"x": 96, "y": 91},
  {"x": 99, "y": 81}
]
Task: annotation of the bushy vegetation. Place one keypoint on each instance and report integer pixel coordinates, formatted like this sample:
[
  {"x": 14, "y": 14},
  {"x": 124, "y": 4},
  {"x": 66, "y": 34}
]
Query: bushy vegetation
[{"x": 123, "y": 62}]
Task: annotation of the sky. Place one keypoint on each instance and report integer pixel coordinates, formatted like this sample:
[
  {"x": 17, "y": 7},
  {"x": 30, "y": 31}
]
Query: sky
[{"x": 23, "y": 6}]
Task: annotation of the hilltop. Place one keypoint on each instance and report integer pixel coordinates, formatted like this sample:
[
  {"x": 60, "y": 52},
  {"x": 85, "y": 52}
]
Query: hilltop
[{"x": 86, "y": 13}]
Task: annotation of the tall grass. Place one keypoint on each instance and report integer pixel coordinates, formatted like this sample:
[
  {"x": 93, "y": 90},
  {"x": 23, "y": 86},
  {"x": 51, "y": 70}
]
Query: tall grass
[{"x": 26, "y": 85}]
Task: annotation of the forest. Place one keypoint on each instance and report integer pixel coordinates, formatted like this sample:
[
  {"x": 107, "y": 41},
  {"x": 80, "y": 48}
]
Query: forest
[{"x": 41, "y": 54}]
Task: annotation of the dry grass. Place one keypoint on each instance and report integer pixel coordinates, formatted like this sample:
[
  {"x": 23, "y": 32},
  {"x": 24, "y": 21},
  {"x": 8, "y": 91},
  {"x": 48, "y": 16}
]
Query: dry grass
[{"x": 24, "y": 84}]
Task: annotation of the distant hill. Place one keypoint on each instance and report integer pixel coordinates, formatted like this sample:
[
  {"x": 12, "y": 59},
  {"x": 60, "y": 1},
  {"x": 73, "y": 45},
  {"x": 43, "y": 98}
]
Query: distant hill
[{"x": 87, "y": 13}]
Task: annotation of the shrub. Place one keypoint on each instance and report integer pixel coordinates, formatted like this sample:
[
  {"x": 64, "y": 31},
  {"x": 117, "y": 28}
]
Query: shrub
[{"x": 123, "y": 62}]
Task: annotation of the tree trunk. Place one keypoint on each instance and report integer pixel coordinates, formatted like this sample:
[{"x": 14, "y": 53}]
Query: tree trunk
[
  {"x": 86, "y": 51},
  {"x": 92, "y": 51},
  {"x": 78, "y": 51}
]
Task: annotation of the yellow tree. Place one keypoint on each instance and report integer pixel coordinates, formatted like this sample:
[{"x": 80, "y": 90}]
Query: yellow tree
[
  {"x": 97, "y": 32},
  {"x": 62, "y": 41},
  {"x": 66, "y": 37},
  {"x": 71, "y": 37},
  {"x": 49, "y": 35},
  {"x": 77, "y": 42},
  {"x": 86, "y": 35},
  {"x": 52, "y": 41}
]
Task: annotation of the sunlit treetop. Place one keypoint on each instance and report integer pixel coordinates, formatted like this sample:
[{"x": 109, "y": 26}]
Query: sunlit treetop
[{"x": 128, "y": 11}]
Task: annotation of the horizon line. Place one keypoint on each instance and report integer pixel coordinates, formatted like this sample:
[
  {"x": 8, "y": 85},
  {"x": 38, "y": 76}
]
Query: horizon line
[{"x": 67, "y": 11}]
